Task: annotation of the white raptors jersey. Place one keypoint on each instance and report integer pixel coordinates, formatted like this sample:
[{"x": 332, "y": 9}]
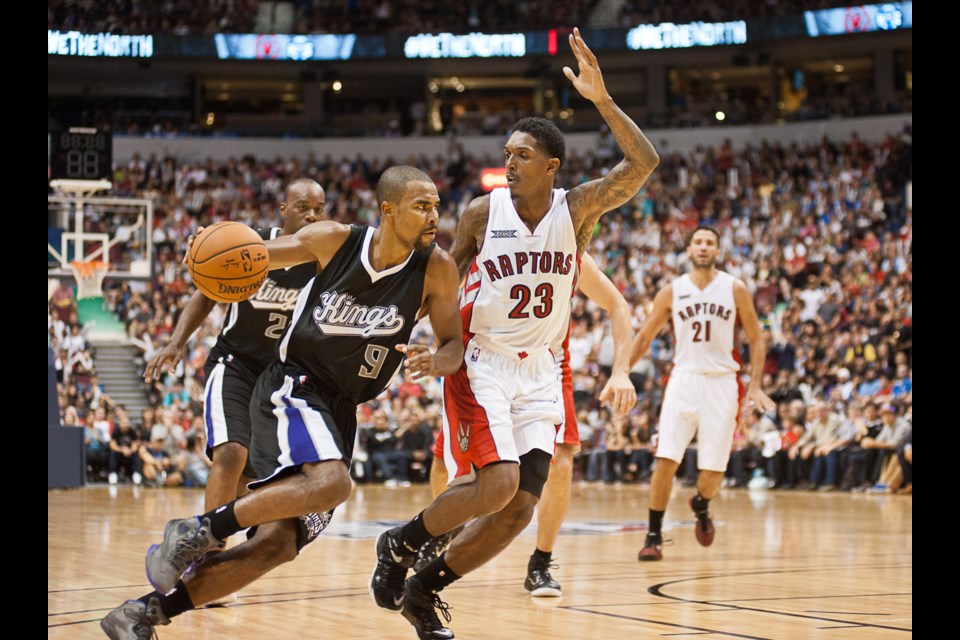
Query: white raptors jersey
[
  {"x": 704, "y": 323},
  {"x": 516, "y": 298}
]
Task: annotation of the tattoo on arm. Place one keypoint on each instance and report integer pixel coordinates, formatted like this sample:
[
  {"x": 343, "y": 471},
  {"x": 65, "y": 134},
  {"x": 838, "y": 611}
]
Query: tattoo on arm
[{"x": 466, "y": 244}]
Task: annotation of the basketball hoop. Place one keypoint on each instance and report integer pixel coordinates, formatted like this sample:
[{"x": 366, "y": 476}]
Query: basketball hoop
[{"x": 89, "y": 277}]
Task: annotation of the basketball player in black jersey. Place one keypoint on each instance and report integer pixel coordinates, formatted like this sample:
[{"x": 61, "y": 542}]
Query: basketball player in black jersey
[
  {"x": 245, "y": 347},
  {"x": 346, "y": 341}
]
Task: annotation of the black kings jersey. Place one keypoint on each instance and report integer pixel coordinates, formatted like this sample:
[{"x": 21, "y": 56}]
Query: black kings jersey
[
  {"x": 252, "y": 327},
  {"x": 349, "y": 319}
]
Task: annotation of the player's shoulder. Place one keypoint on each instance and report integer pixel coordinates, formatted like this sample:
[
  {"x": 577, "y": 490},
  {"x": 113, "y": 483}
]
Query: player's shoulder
[
  {"x": 475, "y": 215},
  {"x": 736, "y": 282},
  {"x": 333, "y": 229},
  {"x": 479, "y": 206},
  {"x": 440, "y": 260}
]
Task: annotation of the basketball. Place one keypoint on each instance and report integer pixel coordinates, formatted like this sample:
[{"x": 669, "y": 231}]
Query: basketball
[{"x": 228, "y": 262}]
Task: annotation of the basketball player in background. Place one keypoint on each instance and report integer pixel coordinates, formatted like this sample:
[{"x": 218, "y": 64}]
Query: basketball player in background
[
  {"x": 245, "y": 347},
  {"x": 704, "y": 393},
  {"x": 345, "y": 342},
  {"x": 555, "y": 500},
  {"x": 518, "y": 248}
]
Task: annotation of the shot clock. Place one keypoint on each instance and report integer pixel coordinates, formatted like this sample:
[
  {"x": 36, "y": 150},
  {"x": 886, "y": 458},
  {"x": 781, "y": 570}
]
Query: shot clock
[{"x": 81, "y": 153}]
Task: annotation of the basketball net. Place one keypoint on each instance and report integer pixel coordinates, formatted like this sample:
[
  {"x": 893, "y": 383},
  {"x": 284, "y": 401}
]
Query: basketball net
[{"x": 89, "y": 276}]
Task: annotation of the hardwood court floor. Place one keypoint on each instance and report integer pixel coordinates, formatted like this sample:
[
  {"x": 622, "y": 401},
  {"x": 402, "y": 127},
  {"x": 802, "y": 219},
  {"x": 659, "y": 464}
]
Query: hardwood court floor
[{"x": 784, "y": 565}]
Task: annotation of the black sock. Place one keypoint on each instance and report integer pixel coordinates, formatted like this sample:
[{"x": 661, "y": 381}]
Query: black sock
[
  {"x": 699, "y": 503},
  {"x": 435, "y": 576},
  {"x": 414, "y": 533},
  {"x": 174, "y": 604},
  {"x": 223, "y": 522},
  {"x": 541, "y": 557},
  {"x": 656, "y": 521}
]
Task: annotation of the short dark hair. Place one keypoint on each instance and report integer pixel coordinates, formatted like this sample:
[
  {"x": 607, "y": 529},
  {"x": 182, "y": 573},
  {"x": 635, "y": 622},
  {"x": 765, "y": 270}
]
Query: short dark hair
[
  {"x": 546, "y": 134},
  {"x": 393, "y": 182},
  {"x": 704, "y": 227}
]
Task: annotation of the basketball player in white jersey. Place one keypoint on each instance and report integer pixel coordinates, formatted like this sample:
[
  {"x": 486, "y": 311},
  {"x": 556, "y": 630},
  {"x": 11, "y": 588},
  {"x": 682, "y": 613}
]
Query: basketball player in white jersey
[
  {"x": 704, "y": 393},
  {"x": 555, "y": 499},
  {"x": 518, "y": 249}
]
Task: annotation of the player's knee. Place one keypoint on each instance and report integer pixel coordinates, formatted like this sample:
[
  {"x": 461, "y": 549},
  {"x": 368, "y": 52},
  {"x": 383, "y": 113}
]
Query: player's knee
[
  {"x": 230, "y": 456},
  {"x": 337, "y": 485},
  {"x": 518, "y": 514},
  {"x": 666, "y": 466},
  {"x": 562, "y": 463},
  {"x": 329, "y": 484},
  {"x": 496, "y": 487},
  {"x": 277, "y": 545}
]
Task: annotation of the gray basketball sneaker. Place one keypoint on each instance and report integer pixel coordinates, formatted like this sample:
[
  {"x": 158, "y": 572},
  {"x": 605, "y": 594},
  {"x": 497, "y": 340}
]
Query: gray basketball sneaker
[
  {"x": 134, "y": 620},
  {"x": 184, "y": 542}
]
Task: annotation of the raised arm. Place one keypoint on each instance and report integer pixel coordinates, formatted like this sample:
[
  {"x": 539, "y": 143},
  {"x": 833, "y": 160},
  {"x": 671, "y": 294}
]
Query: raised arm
[
  {"x": 758, "y": 347},
  {"x": 655, "y": 321},
  {"x": 596, "y": 286},
  {"x": 316, "y": 242},
  {"x": 440, "y": 299},
  {"x": 469, "y": 238},
  {"x": 198, "y": 308},
  {"x": 592, "y": 199}
]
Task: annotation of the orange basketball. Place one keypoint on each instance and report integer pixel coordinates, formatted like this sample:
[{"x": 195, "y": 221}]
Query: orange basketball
[{"x": 228, "y": 261}]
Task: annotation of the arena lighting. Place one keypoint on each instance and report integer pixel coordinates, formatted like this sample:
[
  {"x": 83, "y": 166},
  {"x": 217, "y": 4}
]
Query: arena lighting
[{"x": 493, "y": 177}]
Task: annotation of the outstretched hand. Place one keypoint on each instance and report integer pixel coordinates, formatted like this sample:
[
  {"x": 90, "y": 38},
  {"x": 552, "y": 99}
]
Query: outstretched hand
[
  {"x": 419, "y": 361},
  {"x": 590, "y": 81}
]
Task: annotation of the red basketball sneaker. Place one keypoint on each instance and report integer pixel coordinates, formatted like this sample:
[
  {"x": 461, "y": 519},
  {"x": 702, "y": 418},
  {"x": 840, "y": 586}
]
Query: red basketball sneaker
[
  {"x": 652, "y": 548},
  {"x": 704, "y": 528}
]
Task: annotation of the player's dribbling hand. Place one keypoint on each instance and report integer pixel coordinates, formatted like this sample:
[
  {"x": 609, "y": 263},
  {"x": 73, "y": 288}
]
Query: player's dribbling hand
[
  {"x": 419, "y": 360},
  {"x": 169, "y": 356},
  {"x": 190, "y": 240},
  {"x": 619, "y": 392},
  {"x": 590, "y": 81}
]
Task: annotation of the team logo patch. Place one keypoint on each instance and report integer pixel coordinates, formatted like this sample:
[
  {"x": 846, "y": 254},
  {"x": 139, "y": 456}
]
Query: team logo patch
[
  {"x": 316, "y": 522},
  {"x": 504, "y": 233},
  {"x": 475, "y": 356},
  {"x": 463, "y": 437}
]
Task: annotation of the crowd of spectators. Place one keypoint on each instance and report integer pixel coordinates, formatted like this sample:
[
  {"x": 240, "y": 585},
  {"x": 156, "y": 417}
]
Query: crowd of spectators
[
  {"x": 634, "y": 12},
  {"x": 182, "y": 17},
  {"x": 178, "y": 17},
  {"x": 821, "y": 234}
]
